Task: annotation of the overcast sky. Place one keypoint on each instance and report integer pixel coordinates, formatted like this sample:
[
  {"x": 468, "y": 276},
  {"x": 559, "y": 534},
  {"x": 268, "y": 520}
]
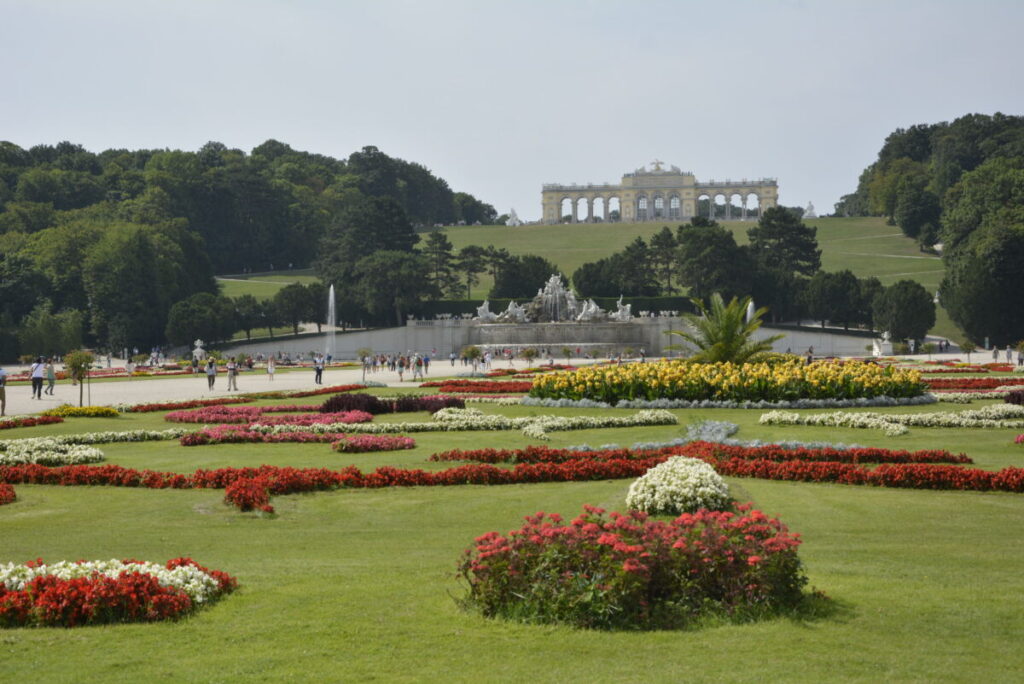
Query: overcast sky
[{"x": 500, "y": 97}]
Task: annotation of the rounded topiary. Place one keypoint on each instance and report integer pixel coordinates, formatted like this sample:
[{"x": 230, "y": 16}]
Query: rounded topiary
[
  {"x": 679, "y": 485},
  {"x": 341, "y": 403}
]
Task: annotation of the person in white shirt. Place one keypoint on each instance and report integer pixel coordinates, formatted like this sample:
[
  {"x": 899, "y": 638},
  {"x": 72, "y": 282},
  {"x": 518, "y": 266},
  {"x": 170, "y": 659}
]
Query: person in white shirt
[{"x": 38, "y": 373}]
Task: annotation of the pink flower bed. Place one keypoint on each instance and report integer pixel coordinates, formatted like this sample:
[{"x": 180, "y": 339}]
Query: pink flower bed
[
  {"x": 254, "y": 414},
  {"x": 230, "y": 434}
]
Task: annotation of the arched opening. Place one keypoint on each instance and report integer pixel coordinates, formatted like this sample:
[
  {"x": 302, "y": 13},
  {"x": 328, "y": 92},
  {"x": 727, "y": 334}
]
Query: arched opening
[
  {"x": 659, "y": 207},
  {"x": 614, "y": 209},
  {"x": 600, "y": 210},
  {"x": 641, "y": 208},
  {"x": 673, "y": 207},
  {"x": 565, "y": 210},
  {"x": 582, "y": 210},
  {"x": 719, "y": 207},
  {"x": 704, "y": 206},
  {"x": 753, "y": 205},
  {"x": 734, "y": 206}
]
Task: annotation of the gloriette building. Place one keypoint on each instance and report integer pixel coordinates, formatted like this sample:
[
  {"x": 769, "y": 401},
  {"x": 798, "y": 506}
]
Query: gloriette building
[{"x": 656, "y": 193}]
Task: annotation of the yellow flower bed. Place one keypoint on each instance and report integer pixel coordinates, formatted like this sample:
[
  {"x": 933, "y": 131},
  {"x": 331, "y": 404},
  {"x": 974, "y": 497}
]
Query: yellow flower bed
[
  {"x": 787, "y": 380},
  {"x": 69, "y": 411}
]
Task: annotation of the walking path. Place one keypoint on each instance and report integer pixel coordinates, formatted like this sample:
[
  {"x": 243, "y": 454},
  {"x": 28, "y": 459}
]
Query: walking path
[{"x": 143, "y": 390}]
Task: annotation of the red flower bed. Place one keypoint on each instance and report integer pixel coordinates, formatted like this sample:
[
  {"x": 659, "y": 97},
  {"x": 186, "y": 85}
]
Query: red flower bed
[
  {"x": 703, "y": 450},
  {"x": 971, "y": 383},
  {"x": 357, "y": 444},
  {"x": 28, "y": 421},
  {"x": 195, "y": 403},
  {"x": 627, "y": 571},
  {"x": 253, "y": 414},
  {"x": 479, "y": 386},
  {"x": 132, "y": 596},
  {"x": 7, "y": 494}
]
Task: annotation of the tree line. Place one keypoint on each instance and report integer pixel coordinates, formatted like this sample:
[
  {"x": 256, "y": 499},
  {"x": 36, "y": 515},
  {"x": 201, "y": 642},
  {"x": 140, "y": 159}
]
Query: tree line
[
  {"x": 110, "y": 241},
  {"x": 780, "y": 266},
  {"x": 960, "y": 186}
]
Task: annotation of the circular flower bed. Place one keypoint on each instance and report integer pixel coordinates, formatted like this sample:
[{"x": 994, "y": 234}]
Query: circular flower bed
[
  {"x": 628, "y": 572},
  {"x": 68, "y": 594},
  {"x": 679, "y": 485},
  {"x": 729, "y": 382}
]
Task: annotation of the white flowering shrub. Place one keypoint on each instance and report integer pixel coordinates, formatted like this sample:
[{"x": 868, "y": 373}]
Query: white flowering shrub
[{"x": 679, "y": 485}]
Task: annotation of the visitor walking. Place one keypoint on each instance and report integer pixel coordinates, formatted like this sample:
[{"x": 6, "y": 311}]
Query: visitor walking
[
  {"x": 38, "y": 371},
  {"x": 271, "y": 367},
  {"x": 417, "y": 367},
  {"x": 232, "y": 367},
  {"x": 318, "y": 369},
  {"x": 211, "y": 372},
  {"x": 51, "y": 376},
  {"x": 995, "y": 353},
  {"x": 3, "y": 392},
  {"x": 1009, "y": 354}
]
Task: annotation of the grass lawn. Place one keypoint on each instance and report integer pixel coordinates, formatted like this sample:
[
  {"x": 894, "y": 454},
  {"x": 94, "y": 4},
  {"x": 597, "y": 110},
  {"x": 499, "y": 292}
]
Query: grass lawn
[
  {"x": 358, "y": 585},
  {"x": 262, "y": 285}
]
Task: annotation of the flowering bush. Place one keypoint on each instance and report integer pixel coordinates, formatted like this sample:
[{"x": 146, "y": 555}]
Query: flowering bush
[
  {"x": 97, "y": 592},
  {"x": 47, "y": 451},
  {"x": 364, "y": 443},
  {"x": 479, "y": 386},
  {"x": 173, "y": 405},
  {"x": 69, "y": 411},
  {"x": 679, "y": 485},
  {"x": 229, "y": 434},
  {"x": 251, "y": 414},
  {"x": 451, "y": 419},
  {"x": 378, "y": 405},
  {"x": 7, "y": 494},
  {"x": 626, "y": 571},
  {"x": 249, "y": 494},
  {"x": 8, "y": 422},
  {"x": 971, "y": 383},
  {"x": 893, "y": 424},
  {"x": 729, "y": 382}
]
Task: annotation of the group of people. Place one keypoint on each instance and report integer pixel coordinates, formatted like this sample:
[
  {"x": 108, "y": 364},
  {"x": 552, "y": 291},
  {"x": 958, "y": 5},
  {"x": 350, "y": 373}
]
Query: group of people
[
  {"x": 1009, "y": 355},
  {"x": 43, "y": 370},
  {"x": 415, "y": 363}
]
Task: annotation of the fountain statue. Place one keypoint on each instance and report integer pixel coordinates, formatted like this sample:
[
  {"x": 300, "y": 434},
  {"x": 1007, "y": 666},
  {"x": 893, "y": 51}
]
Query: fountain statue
[
  {"x": 591, "y": 312},
  {"x": 484, "y": 314},
  {"x": 624, "y": 312},
  {"x": 554, "y": 302},
  {"x": 513, "y": 314}
]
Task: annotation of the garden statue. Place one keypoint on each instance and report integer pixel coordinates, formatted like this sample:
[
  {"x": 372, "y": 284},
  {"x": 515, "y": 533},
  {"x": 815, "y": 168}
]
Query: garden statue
[
  {"x": 199, "y": 354},
  {"x": 484, "y": 314}
]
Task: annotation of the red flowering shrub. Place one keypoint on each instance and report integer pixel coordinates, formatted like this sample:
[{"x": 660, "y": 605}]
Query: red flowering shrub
[
  {"x": 7, "y": 494},
  {"x": 28, "y": 421},
  {"x": 630, "y": 572},
  {"x": 480, "y": 386},
  {"x": 249, "y": 494}
]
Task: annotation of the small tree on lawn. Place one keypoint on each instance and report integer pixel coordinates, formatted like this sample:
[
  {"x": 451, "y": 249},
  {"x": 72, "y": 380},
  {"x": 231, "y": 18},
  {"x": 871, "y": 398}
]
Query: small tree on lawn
[
  {"x": 77, "y": 364},
  {"x": 529, "y": 354},
  {"x": 473, "y": 354},
  {"x": 929, "y": 349},
  {"x": 967, "y": 347}
]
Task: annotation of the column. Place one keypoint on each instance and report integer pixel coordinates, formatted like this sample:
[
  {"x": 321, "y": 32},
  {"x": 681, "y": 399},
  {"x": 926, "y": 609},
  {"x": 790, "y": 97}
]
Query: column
[
  {"x": 607, "y": 201},
  {"x": 590, "y": 210},
  {"x": 728, "y": 207},
  {"x": 744, "y": 205},
  {"x": 575, "y": 213}
]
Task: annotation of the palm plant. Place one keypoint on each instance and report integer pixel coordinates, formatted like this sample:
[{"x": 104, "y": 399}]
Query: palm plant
[{"x": 721, "y": 333}]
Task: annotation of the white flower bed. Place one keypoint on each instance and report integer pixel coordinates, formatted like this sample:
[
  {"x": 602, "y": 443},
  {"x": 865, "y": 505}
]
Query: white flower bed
[
  {"x": 719, "y": 432},
  {"x": 679, "y": 485},
  {"x": 47, "y": 451},
  {"x": 894, "y": 424},
  {"x": 199, "y": 586},
  {"x": 709, "y": 403},
  {"x": 452, "y": 419}
]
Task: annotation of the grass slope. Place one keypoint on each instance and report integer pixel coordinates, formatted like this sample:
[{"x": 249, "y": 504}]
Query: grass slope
[
  {"x": 262, "y": 285},
  {"x": 357, "y": 585}
]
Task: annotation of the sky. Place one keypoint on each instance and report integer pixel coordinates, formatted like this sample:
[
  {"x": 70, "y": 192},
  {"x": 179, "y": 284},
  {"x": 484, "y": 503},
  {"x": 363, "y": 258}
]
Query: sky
[{"x": 500, "y": 97}]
